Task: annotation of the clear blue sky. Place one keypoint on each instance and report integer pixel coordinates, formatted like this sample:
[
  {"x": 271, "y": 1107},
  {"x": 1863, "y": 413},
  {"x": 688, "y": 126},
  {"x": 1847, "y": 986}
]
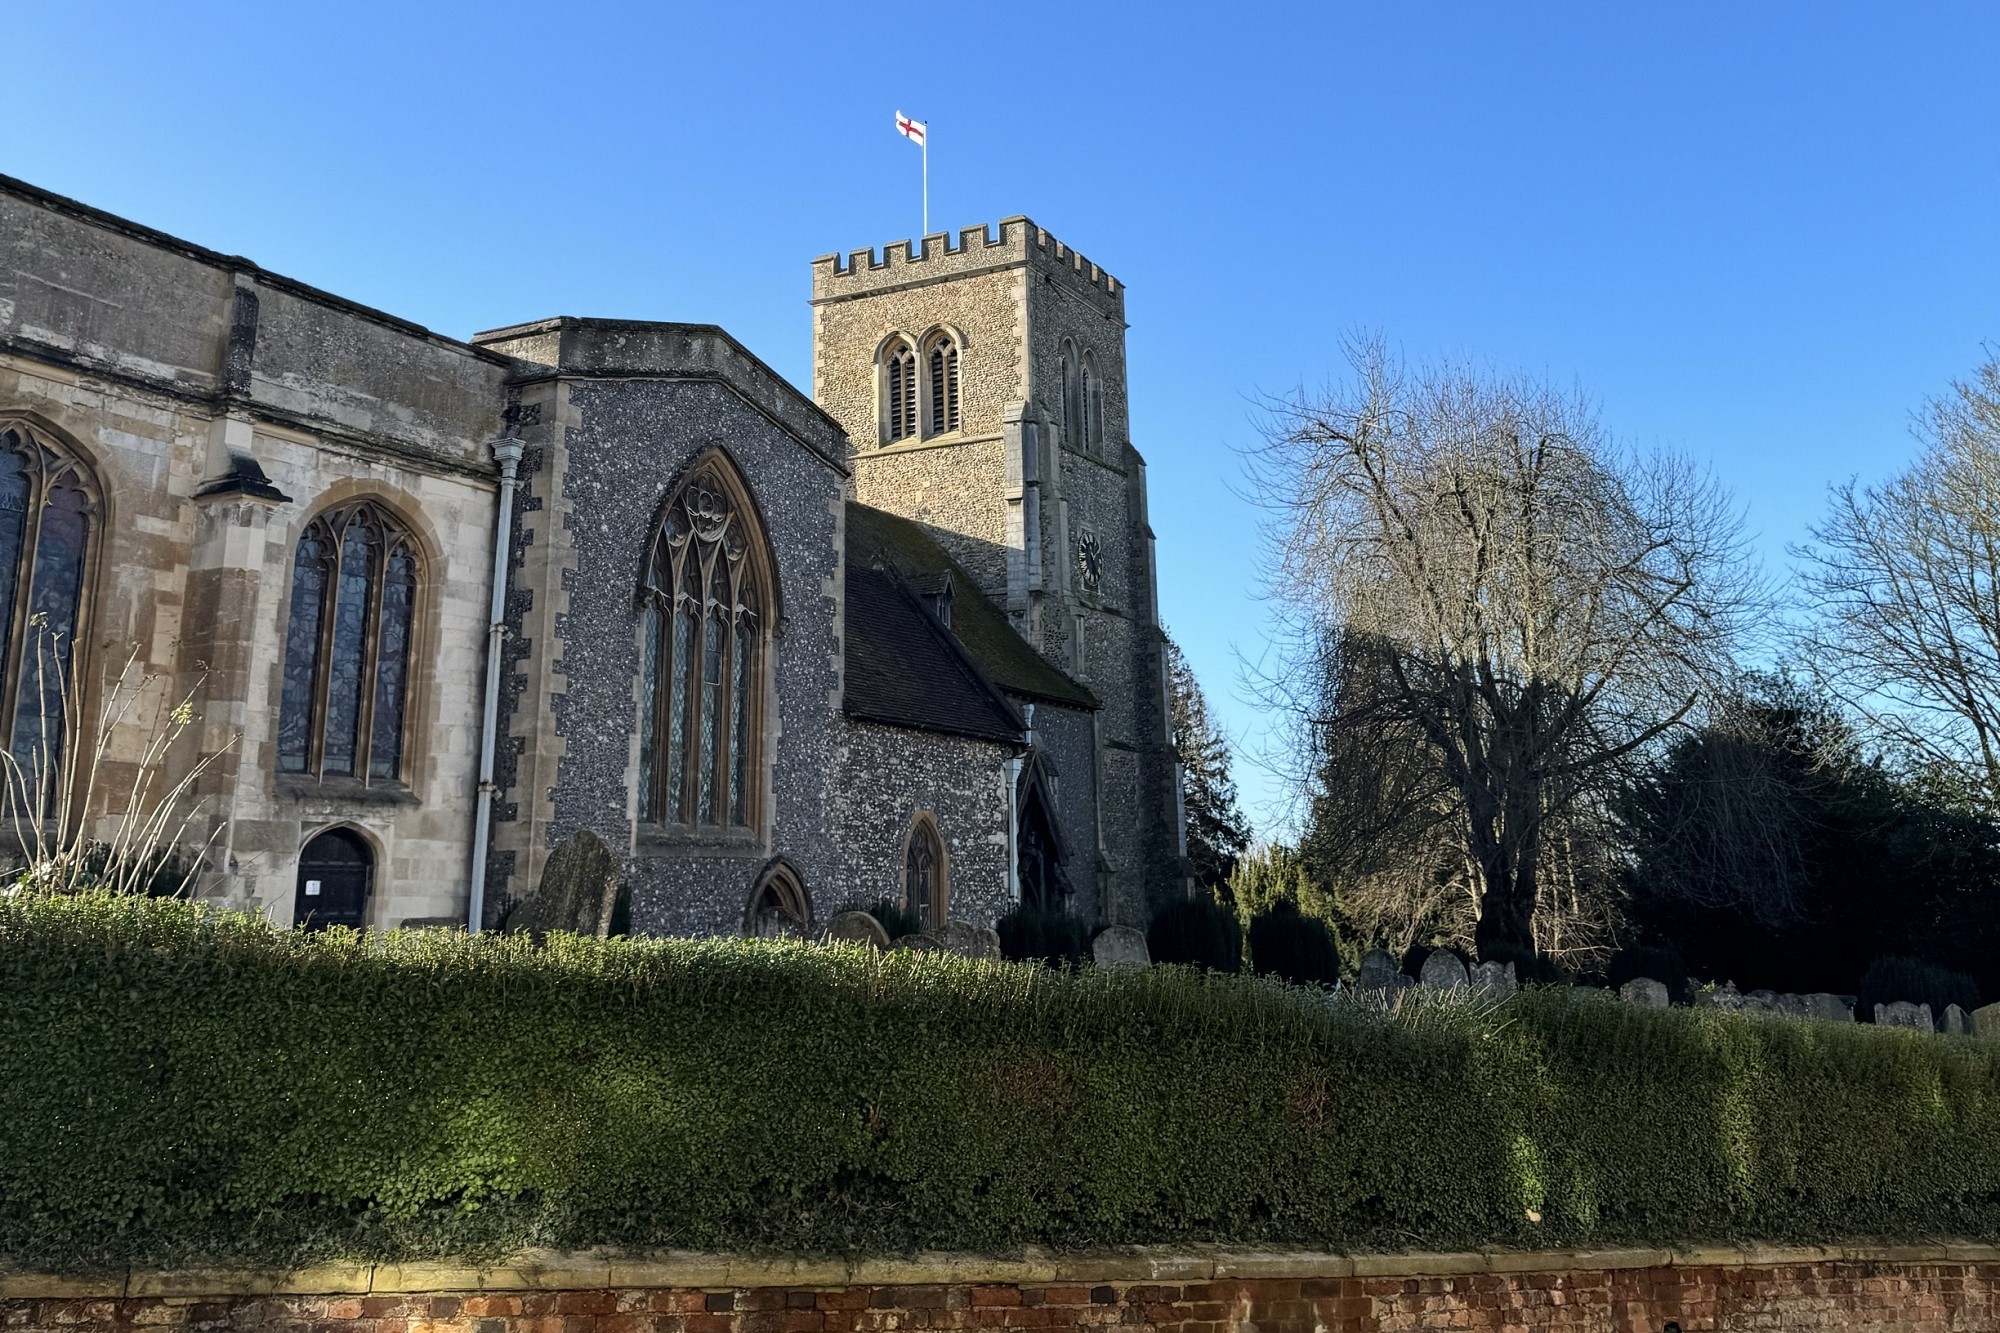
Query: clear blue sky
[{"x": 1761, "y": 233}]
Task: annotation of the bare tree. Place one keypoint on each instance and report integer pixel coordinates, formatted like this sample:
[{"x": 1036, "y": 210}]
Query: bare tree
[
  {"x": 1541, "y": 605},
  {"x": 1906, "y": 580}
]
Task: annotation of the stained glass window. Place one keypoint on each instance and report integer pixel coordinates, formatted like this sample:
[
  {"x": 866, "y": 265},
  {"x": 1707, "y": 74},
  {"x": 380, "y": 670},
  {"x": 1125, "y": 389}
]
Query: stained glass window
[
  {"x": 47, "y": 507},
  {"x": 704, "y": 621},
  {"x": 344, "y": 708}
]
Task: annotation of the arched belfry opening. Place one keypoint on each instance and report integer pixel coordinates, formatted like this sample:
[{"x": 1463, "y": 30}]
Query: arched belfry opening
[{"x": 336, "y": 875}]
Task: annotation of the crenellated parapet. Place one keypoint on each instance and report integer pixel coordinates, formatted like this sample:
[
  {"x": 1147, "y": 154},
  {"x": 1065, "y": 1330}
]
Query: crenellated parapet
[{"x": 1017, "y": 243}]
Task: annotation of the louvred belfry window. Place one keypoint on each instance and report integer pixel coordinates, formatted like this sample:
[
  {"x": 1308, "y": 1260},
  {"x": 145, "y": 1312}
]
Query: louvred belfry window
[
  {"x": 343, "y": 712},
  {"x": 705, "y": 608},
  {"x": 944, "y": 387},
  {"x": 48, "y": 508},
  {"x": 901, "y": 372}
]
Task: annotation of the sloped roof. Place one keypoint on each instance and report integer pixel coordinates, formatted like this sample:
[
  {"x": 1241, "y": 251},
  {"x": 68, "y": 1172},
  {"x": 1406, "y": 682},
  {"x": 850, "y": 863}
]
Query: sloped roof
[
  {"x": 905, "y": 669},
  {"x": 981, "y": 628}
]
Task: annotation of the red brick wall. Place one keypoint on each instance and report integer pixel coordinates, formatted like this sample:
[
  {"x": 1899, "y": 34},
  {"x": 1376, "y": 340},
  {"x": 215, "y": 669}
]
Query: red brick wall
[{"x": 1886, "y": 1297}]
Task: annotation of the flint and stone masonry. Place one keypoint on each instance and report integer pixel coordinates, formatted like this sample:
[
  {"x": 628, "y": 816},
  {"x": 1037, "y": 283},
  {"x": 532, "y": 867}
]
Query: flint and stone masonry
[{"x": 216, "y": 409}]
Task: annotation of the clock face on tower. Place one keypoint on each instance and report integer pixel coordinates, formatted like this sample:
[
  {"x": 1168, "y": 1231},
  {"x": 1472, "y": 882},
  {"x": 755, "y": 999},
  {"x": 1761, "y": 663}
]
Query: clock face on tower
[{"x": 1089, "y": 560}]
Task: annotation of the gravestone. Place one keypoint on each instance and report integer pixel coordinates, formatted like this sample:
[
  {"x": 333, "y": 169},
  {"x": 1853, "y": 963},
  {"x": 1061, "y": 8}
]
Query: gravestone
[
  {"x": 857, "y": 928},
  {"x": 970, "y": 941},
  {"x": 1120, "y": 946},
  {"x": 1378, "y": 971},
  {"x": 1986, "y": 1021},
  {"x": 1903, "y": 1014},
  {"x": 1645, "y": 993},
  {"x": 1828, "y": 1008},
  {"x": 918, "y": 942},
  {"x": 1443, "y": 971},
  {"x": 1493, "y": 978},
  {"x": 578, "y": 890},
  {"x": 1761, "y": 1002},
  {"x": 1956, "y": 1023}
]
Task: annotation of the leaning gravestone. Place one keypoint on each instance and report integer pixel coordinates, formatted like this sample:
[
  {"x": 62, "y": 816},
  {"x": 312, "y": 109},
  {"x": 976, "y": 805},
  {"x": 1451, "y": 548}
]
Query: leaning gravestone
[
  {"x": 1378, "y": 971},
  {"x": 857, "y": 928},
  {"x": 1120, "y": 946},
  {"x": 1986, "y": 1021},
  {"x": 1903, "y": 1014},
  {"x": 1493, "y": 978},
  {"x": 1956, "y": 1024},
  {"x": 1443, "y": 971},
  {"x": 970, "y": 941},
  {"x": 578, "y": 890},
  {"x": 1645, "y": 993}
]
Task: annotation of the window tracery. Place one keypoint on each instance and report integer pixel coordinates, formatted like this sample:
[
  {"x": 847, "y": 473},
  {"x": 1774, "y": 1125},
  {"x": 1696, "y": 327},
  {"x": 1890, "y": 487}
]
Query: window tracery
[
  {"x": 345, "y": 700},
  {"x": 48, "y": 507},
  {"x": 926, "y": 873},
  {"x": 705, "y": 611},
  {"x": 943, "y": 361},
  {"x": 779, "y": 905}
]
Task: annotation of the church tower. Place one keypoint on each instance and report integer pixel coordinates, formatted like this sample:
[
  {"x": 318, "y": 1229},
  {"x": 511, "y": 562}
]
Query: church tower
[{"x": 982, "y": 385}]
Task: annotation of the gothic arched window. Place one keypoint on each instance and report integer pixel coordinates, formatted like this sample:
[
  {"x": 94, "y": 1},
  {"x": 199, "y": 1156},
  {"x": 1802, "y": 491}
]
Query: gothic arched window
[
  {"x": 779, "y": 906},
  {"x": 899, "y": 394},
  {"x": 706, "y": 610},
  {"x": 344, "y": 709},
  {"x": 943, "y": 361},
  {"x": 926, "y": 872},
  {"x": 1069, "y": 412},
  {"x": 1086, "y": 395},
  {"x": 48, "y": 503}
]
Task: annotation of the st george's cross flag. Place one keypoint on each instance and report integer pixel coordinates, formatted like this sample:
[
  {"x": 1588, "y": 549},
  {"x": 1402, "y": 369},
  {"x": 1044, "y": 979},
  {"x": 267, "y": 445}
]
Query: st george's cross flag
[{"x": 913, "y": 130}]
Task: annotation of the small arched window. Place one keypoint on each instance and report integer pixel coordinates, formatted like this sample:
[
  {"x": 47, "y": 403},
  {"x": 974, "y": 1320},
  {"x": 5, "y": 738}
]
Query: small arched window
[
  {"x": 943, "y": 366},
  {"x": 345, "y": 704},
  {"x": 48, "y": 504},
  {"x": 899, "y": 392},
  {"x": 926, "y": 873},
  {"x": 706, "y": 610},
  {"x": 779, "y": 906},
  {"x": 1069, "y": 412}
]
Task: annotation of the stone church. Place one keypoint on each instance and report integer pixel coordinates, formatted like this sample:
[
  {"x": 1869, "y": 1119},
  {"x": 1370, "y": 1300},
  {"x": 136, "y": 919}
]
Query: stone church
[{"x": 441, "y": 605}]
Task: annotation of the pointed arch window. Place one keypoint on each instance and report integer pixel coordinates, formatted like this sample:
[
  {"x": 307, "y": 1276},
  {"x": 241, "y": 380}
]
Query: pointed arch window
[
  {"x": 926, "y": 872},
  {"x": 48, "y": 512},
  {"x": 1086, "y": 394},
  {"x": 1069, "y": 412},
  {"x": 1092, "y": 404},
  {"x": 900, "y": 391},
  {"x": 943, "y": 367},
  {"x": 344, "y": 708},
  {"x": 779, "y": 905},
  {"x": 705, "y": 612}
]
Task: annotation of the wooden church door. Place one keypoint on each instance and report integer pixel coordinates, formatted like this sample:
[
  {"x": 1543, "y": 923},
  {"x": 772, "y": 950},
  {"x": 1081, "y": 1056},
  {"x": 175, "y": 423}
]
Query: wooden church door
[{"x": 335, "y": 873}]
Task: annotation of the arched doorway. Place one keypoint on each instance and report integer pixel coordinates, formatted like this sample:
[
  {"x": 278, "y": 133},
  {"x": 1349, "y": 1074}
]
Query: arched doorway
[
  {"x": 336, "y": 870},
  {"x": 779, "y": 906}
]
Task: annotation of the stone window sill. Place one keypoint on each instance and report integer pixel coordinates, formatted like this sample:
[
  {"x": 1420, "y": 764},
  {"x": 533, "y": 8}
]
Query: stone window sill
[
  {"x": 658, "y": 840},
  {"x": 345, "y": 791}
]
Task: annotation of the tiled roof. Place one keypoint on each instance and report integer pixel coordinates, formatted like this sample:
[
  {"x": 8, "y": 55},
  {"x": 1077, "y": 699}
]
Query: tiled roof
[
  {"x": 905, "y": 669},
  {"x": 981, "y": 628}
]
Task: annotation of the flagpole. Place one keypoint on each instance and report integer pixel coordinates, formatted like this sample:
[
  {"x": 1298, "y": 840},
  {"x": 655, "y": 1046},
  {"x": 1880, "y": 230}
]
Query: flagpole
[{"x": 927, "y": 181}]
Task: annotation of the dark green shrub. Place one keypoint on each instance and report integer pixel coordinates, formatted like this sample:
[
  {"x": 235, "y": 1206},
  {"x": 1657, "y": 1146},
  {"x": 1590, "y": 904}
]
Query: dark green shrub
[
  {"x": 1296, "y": 948},
  {"x": 1890, "y": 979},
  {"x": 185, "y": 1086},
  {"x": 896, "y": 919},
  {"x": 1032, "y": 935},
  {"x": 1660, "y": 962},
  {"x": 1197, "y": 931}
]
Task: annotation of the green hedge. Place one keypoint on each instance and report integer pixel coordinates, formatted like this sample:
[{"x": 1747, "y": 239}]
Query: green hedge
[{"x": 182, "y": 1085}]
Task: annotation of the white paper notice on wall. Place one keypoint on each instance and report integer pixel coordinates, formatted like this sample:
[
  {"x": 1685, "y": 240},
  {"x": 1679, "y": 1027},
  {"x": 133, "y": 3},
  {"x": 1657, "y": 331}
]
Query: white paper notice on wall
[{"x": 312, "y": 888}]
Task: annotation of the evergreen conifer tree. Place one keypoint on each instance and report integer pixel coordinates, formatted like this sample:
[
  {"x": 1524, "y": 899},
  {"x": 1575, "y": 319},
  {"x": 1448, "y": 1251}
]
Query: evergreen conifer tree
[{"x": 1217, "y": 832}]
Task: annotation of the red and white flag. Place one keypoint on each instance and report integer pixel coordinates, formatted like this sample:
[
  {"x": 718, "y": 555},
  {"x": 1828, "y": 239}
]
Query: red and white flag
[{"x": 913, "y": 130}]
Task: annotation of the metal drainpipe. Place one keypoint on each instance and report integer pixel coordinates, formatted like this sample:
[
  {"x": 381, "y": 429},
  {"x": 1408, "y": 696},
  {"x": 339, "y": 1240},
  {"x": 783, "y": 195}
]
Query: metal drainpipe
[{"x": 507, "y": 453}]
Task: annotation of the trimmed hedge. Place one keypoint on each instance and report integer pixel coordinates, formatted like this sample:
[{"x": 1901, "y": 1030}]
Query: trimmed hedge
[{"x": 180, "y": 1085}]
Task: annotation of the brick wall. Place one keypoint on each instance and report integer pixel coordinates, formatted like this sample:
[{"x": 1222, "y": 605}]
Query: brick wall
[{"x": 1900, "y": 1290}]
